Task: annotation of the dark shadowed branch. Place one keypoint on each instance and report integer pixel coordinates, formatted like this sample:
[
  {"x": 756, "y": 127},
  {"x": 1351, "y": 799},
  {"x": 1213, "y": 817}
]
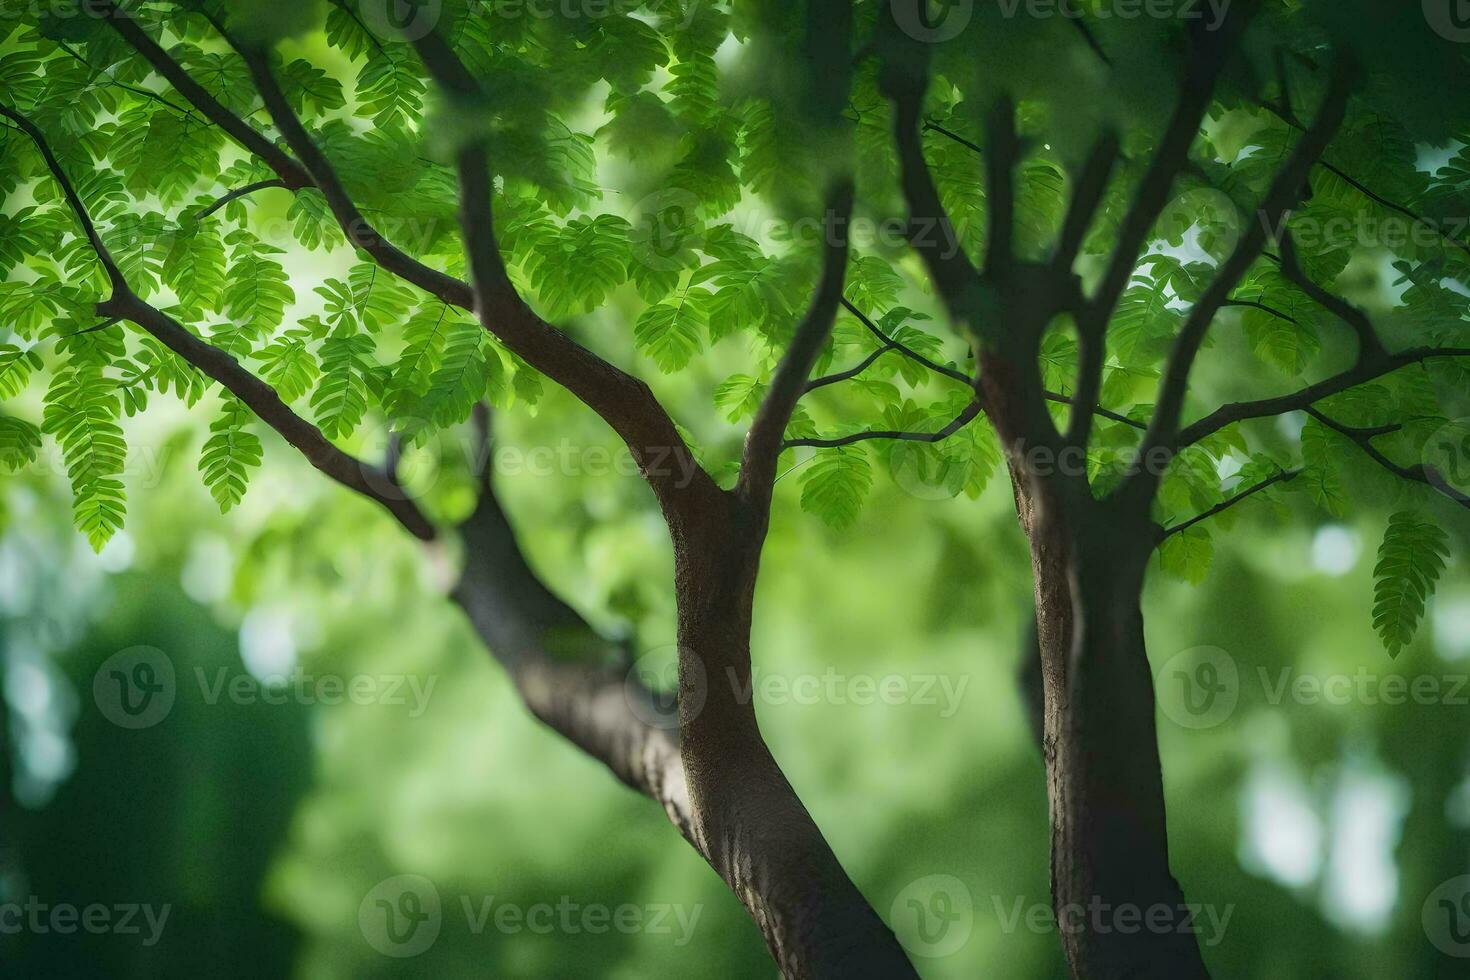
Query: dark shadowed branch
[
  {"x": 966, "y": 416},
  {"x": 1417, "y": 473},
  {"x": 576, "y": 681},
  {"x": 288, "y": 169},
  {"x": 1284, "y": 193},
  {"x": 1092, "y": 183},
  {"x": 1281, "y": 477},
  {"x": 1149, "y": 199},
  {"x": 1000, "y": 186},
  {"x": 1370, "y": 348},
  {"x": 763, "y": 442},
  {"x": 1297, "y": 401},
  {"x": 238, "y": 193}
]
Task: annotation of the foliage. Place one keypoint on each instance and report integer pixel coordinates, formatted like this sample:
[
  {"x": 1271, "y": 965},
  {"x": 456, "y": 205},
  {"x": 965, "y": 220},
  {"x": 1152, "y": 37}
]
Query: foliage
[{"x": 651, "y": 200}]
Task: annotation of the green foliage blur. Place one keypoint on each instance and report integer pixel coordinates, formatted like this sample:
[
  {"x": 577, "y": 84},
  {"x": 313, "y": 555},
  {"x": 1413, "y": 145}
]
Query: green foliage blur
[
  {"x": 1321, "y": 827},
  {"x": 258, "y": 818}
]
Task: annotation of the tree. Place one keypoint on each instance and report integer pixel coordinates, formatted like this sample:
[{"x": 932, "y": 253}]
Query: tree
[{"x": 1085, "y": 258}]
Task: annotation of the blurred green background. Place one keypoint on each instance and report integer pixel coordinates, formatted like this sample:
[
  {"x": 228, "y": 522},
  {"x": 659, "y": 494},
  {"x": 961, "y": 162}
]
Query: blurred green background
[{"x": 1318, "y": 826}]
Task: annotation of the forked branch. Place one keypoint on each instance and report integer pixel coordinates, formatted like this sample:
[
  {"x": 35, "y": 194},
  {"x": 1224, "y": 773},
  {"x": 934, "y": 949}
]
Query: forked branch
[{"x": 1285, "y": 191}]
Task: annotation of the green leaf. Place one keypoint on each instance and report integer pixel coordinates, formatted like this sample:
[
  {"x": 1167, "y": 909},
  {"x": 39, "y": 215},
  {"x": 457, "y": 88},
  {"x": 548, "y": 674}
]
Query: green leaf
[
  {"x": 468, "y": 367},
  {"x": 340, "y": 401},
  {"x": 390, "y": 86},
  {"x": 668, "y": 334},
  {"x": 289, "y": 365},
  {"x": 309, "y": 88},
  {"x": 229, "y": 454},
  {"x": 739, "y": 395},
  {"x": 258, "y": 292},
  {"x": 81, "y": 413},
  {"x": 194, "y": 267},
  {"x": 19, "y": 442},
  {"x": 1409, "y": 564},
  {"x": 835, "y": 486},
  {"x": 370, "y": 299},
  {"x": 574, "y": 269},
  {"x": 16, "y": 366},
  {"x": 1289, "y": 345},
  {"x": 1321, "y": 452},
  {"x": 1187, "y": 554}
]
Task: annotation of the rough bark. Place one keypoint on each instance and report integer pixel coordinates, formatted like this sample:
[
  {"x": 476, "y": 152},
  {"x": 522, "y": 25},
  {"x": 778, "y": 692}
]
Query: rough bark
[
  {"x": 1110, "y": 848},
  {"x": 718, "y": 782},
  {"x": 569, "y": 676},
  {"x": 748, "y": 820}
]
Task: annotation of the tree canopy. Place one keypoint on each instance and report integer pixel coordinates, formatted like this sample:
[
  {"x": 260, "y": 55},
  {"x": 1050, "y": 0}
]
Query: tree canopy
[{"x": 1157, "y": 271}]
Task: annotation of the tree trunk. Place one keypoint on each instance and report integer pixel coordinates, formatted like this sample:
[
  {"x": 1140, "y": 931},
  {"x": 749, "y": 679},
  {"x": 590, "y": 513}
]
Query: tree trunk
[
  {"x": 707, "y": 766},
  {"x": 748, "y": 820},
  {"x": 1120, "y": 913}
]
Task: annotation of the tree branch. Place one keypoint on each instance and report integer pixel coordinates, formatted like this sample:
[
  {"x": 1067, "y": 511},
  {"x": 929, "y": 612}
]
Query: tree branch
[
  {"x": 260, "y": 397},
  {"x": 89, "y": 229},
  {"x": 1281, "y": 477},
  {"x": 852, "y": 372},
  {"x": 930, "y": 231},
  {"x": 763, "y": 442},
  {"x": 1262, "y": 307},
  {"x": 1000, "y": 186},
  {"x": 1169, "y": 159},
  {"x": 1370, "y": 348},
  {"x": 960, "y": 376},
  {"x": 289, "y": 170},
  {"x": 359, "y": 231},
  {"x": 1285, "y": 191},
  {"x": 623, "y": 401},
  {"x": 934, "y": 127},
  {"x": 1297, "y": 401},
  {"x": 1285, "y": 114},
  {"x": 1091, "y": 185},
  {"x": 1076, "y": 17},
  {"x": 316, "y": 171},
  {"x": 904, "y": 349},
  {"x": 967, "y": 415},
  {"x": 238, "y": 193},
  {"x": 569, "y": 676},
  {"x": 1418, "y": 473}
]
